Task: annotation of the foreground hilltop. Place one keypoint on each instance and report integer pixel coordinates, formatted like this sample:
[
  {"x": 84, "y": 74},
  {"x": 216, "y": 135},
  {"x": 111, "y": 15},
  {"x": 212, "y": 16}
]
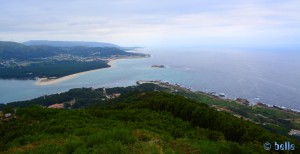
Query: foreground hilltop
[{"x": 146, "y": 118}]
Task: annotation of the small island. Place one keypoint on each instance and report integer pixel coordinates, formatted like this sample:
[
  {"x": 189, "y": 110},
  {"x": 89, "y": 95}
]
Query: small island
[{"x": 158, "y": 66}]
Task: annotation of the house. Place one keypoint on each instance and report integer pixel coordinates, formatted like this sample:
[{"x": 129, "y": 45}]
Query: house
[
  {"x": 242, "y": 101},
  {"x": 56, "y": 106},
  {"x": 112, "y": 96},
  {"x": 7, "y": 115},
  {"x": 294, "y": 132},
  {"x": 261, "y": 104},
  {"x": 116, "y": 95}
]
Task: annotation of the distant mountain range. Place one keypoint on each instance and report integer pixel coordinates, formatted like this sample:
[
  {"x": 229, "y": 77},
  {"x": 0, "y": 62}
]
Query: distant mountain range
[{"x": 69, "y": 43}]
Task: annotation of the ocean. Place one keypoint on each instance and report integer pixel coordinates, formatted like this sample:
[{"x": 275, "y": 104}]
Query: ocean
[{"x": 259, "y": 76}]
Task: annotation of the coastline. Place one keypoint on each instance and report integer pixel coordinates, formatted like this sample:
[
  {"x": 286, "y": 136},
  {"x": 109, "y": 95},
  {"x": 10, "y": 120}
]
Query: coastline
[
  {"x": 48, "y": 81},
  {"x": 237, "y": 100}
]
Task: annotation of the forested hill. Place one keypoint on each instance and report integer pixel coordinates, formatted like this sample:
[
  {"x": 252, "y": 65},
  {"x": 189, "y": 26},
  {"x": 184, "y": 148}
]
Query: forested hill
[
  {"x": 136, "y": 119},
  {"x": 13, "y": 50},
  {"x": 70, "y": 43},
  {"x": 19, "y": 61}
]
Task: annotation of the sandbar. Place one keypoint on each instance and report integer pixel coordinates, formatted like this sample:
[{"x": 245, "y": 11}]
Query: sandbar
[{"x": 49, "y": 81}]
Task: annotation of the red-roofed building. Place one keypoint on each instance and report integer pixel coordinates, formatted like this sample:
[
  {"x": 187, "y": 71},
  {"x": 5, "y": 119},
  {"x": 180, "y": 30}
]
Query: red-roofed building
[{"x": 57, "y": 106}]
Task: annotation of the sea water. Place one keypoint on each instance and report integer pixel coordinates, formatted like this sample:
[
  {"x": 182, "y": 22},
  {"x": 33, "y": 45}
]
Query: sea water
[{"x": 259, "y": 76}]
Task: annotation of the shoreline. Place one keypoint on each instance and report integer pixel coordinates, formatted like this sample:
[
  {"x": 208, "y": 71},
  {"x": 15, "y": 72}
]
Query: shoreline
[
  {"x": 111, "y": 62},
  {"x": 49, "y": 81},
  {"x": 259, "y": 104}
]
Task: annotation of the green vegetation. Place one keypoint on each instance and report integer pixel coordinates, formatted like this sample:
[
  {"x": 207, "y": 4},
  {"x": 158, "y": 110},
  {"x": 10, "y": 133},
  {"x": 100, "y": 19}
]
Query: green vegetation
[
  {"x": 137, "y": 127},
  {"x": 13, "y": 50},
  {"x": 69, "y": 43},
  {"x": 50, "y": 69},
  {"x": 138, "y": 121},
  {"x": 84, "y": 97},
  {"x": 273, "y": 119},
  {"x": 276, "y": 120},
  {"x": 18, "y": 61}
]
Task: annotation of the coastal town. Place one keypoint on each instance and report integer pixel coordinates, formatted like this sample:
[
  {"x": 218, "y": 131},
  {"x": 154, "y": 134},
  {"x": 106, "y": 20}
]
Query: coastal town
[{"x": 8, "y": 63}]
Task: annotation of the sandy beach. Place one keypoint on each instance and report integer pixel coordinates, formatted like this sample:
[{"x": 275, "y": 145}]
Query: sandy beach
[
  {"x": 47, "y": 81},
  {"x": 111, "y": 62}
]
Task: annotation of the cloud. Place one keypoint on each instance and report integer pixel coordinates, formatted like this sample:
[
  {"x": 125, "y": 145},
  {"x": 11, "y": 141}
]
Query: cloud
[{"x": 145, "y": 22}]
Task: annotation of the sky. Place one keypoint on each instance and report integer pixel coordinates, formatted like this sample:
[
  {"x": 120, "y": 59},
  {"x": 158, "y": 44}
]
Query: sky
[{"x": 176, "y": 23}]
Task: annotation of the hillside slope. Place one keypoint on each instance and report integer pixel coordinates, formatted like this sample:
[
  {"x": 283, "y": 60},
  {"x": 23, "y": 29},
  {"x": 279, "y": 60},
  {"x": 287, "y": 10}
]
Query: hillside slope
[{"x": 138, "y": 121}]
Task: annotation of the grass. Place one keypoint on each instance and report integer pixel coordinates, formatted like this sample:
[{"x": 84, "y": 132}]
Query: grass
[
  {"x": 108, "y": 131},
  {"x": 280, "y": 121}
]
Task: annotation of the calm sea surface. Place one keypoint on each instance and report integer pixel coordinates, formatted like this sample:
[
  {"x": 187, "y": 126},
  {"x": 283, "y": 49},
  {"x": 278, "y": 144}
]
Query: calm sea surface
[{"x": 268, "y": 77}]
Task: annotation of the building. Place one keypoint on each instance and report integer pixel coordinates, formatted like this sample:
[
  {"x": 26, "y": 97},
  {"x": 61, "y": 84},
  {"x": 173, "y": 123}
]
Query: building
[
  {"x": 294, "y": 132},
  {"x": 56, "y": 106},
  {"x": 7, "y": 115},
  {"x": 116, "y": 95}
]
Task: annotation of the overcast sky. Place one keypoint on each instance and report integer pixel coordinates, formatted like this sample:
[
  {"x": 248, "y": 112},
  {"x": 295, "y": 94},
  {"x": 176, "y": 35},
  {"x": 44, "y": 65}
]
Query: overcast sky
[{"x": 154, "y": 22}]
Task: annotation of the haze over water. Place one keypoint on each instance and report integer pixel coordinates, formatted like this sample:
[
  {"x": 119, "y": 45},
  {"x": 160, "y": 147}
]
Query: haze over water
[{"x": 268, "y": 77}]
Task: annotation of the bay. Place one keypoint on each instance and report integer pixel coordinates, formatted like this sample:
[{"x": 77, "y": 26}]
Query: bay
[{"x": 259, "y": 76}]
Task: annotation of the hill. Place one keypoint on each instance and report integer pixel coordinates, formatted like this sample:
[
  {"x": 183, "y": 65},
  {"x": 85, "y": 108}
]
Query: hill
[
  {"x": 135, "y": 119},
  {"x": 19, "y": 61},
  {"x": 69, "y": 43},
  {"x": 13, "y": 50}
]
